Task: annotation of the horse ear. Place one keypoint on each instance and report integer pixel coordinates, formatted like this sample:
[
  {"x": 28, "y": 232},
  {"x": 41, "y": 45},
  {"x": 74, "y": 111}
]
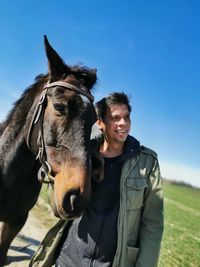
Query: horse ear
[{"x": 56, "y": 65}]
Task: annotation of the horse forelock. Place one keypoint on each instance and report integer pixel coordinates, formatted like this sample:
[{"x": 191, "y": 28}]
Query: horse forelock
[{"x": 85, "y": 75}]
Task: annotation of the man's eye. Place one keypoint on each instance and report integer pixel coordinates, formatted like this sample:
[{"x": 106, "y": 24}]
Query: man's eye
[
  {"x": 60, "y": 108},
  {"x": 116, "y": 118}
]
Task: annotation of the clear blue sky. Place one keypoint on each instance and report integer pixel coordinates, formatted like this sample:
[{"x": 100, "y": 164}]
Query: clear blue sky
[{"x": 148, "y": 49}]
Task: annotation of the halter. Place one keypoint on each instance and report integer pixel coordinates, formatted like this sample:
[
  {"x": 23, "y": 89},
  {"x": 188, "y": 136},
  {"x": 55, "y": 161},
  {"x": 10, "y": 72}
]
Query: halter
[{"x": 45, "y": 171}]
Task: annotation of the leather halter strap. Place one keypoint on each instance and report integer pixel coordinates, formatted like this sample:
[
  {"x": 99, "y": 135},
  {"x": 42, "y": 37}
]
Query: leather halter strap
[
  {"x": 82, "y": 90},
  {"x": 44, "y": 173}
]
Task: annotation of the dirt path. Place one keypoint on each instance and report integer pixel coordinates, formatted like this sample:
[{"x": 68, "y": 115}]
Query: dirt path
[{"x": 26, "y": 242}]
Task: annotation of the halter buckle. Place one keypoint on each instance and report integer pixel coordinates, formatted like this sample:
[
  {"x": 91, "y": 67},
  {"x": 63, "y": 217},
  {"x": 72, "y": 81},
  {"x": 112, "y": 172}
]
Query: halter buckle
[{"x": 44, "y": 174}]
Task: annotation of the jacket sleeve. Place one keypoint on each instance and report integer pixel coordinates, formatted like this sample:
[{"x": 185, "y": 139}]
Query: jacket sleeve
[
  {"x": 45, "y": 254},
  {"x": 151, "y": 227}
]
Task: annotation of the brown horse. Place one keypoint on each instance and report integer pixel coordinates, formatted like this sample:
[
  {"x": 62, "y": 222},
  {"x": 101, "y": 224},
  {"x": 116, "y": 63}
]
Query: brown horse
[{"x": 47, "y": 134}]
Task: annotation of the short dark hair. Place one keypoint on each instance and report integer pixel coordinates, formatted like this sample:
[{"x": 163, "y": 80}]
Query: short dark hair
[{"x": 112, "y": 99}]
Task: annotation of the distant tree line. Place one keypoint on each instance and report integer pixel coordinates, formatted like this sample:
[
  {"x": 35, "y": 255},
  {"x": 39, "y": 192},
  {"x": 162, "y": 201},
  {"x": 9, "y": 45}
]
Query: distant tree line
[{"x": 180, "y": 183}]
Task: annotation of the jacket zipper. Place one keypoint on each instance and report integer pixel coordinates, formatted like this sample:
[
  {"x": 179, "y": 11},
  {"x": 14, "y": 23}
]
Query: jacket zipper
[{"x": 96, "y": 248}]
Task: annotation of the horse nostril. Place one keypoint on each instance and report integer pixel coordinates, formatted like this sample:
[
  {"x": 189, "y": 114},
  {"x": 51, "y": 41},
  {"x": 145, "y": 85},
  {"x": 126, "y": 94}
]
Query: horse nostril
[{"x": 71, "y": 201}]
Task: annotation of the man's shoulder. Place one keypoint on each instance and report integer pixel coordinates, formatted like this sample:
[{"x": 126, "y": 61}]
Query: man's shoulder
[{"x": 148, "y": 151}]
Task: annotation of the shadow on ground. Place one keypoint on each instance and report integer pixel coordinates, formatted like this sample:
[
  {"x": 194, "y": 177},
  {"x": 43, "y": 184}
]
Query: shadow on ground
[{"x": 22, "y": 249}]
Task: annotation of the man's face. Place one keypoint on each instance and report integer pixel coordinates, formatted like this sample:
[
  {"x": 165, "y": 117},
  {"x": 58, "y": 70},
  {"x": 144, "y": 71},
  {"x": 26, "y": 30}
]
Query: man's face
[{"x": 116, "y": 124}]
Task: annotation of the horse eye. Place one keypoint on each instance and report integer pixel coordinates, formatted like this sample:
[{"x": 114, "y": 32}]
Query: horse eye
[{"x": 60, "y": 108}]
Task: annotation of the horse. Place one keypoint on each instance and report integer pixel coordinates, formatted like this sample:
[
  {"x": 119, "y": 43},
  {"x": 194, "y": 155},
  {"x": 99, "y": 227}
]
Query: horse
[{"x": 46, "y": 138}]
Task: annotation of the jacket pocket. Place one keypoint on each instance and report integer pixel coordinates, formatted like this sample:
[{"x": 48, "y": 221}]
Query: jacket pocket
[
  {"x": 135, "y": 192},
  {"x": 132, "y": 254}
]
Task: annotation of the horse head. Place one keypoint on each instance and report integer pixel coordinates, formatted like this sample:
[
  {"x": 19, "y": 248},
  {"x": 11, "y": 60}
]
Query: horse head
[{"x": 61, "y": 124}]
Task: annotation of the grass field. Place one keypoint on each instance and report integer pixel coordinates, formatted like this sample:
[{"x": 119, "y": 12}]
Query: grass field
[{"x": 181, "y": 240}]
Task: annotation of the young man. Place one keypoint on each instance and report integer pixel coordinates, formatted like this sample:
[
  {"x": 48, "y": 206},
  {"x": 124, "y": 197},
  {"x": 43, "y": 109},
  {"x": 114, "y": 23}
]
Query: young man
[{"x": 123, "y": 223}]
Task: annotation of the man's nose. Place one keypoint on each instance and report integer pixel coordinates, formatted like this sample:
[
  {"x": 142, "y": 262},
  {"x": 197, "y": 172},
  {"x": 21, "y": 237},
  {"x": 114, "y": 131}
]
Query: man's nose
[{"x": 122, "y": 121}]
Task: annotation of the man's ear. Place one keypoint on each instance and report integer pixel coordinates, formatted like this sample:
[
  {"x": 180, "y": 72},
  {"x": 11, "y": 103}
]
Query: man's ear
[{"x": 99, "y": 124}]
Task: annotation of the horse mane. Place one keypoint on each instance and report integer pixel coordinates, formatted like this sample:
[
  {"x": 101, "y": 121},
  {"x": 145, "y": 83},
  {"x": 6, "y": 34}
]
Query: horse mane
[
  {"x": 1, "y": 128},
  {"x": 31, "y": 91}
]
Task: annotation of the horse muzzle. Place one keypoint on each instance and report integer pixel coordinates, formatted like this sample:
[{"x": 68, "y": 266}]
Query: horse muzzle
[
  {"x": 70, "y": 192},
  {"x": 71, "y": 205}
]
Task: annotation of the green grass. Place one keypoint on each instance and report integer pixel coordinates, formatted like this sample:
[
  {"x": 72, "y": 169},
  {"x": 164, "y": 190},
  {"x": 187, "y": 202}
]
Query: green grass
[{"x": 181, "y": 240}]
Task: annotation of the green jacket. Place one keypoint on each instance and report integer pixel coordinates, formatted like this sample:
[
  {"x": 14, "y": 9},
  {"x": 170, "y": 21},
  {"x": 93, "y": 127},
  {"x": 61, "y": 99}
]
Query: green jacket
[{"x": 140, "y": 220}]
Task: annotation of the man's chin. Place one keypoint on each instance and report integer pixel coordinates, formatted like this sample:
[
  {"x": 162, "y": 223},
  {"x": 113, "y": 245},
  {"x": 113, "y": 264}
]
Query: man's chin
[{"x": 122, "y": 139}]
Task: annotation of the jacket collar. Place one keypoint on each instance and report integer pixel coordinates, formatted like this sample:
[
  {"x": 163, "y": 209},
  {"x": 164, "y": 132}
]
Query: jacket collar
[{"x": 131, "y": 146}]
